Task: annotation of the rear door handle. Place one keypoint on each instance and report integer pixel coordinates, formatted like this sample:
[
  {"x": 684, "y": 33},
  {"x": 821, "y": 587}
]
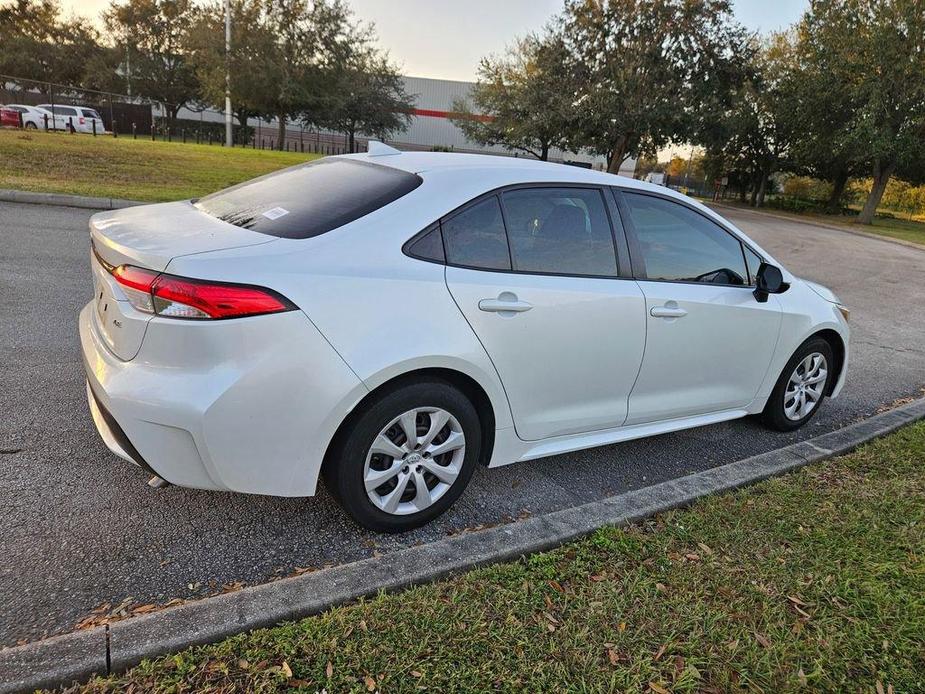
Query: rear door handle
[
  {"x": 669, "y": 310},
  {"x": 507, "y": 302}
]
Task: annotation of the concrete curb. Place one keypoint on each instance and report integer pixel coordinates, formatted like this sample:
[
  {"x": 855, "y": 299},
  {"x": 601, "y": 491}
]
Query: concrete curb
[
  {"x": 61, "y": 200},
  {"x": 73, "y": 657},
  {"x": 813, "y": 222}
]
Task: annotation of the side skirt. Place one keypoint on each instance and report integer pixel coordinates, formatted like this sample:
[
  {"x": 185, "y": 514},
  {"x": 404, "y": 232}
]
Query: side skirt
[{"x": 510, "y": 449}]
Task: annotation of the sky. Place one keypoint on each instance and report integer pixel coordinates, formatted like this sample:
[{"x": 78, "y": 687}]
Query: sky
[{"x": 446, "y": 38}]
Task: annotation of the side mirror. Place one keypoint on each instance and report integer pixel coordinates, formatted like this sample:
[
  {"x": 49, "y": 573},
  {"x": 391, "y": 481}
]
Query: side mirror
[{"x": 770, "y": 280}]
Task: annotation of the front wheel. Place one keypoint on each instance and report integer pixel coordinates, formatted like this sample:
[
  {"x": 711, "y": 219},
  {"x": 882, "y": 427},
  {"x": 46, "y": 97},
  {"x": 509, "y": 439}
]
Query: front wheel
[
  {"x": 405, "y": 458},
  {"x": 801, "y": 387},
  {"x": 31, "y": 126}
]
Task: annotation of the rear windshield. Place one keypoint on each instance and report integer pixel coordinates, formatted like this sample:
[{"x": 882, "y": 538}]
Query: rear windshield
[{"x": 310, "y": 199}]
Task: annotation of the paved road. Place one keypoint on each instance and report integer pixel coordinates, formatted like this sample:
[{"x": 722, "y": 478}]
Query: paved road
[{"x": 79, "y": 527}]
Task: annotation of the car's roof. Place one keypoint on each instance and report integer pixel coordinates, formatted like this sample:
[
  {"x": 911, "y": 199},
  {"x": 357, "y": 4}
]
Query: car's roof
[{"x": 519, "y": 168}]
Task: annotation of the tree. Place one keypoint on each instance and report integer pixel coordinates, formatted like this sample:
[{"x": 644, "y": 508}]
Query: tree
[
  {"x": 754, "y": 132},
  {"x": 523, "y": 100},
  {"x": 253, "y": 46},
  {"x": 312, "y": 36},
  {"x": 36, "y": 43},
  {"x": 154, "y": 34},
  {"x": 366, "y": 95},
  {"x": 646, "y": 68},
  {"x": 823, "y": 107},
  {"x": 879, "y": 46}
]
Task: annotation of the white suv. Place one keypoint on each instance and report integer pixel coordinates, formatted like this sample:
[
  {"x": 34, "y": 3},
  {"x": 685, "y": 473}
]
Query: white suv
[{"x": 81, "y": 118}]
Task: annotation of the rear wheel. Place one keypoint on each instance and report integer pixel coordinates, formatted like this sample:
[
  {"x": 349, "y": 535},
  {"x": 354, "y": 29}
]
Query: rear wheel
[
  {"x": 30, "y": 126},
  {"x": 406, "y": 458},
  {"x": 801, "y": 387}
]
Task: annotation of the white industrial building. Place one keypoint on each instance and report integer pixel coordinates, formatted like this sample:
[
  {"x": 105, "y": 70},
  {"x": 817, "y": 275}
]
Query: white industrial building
[{"x": 432, "y": 127}]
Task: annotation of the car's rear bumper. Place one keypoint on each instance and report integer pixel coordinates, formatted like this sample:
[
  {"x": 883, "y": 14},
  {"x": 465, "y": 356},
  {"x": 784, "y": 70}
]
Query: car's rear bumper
[{"x": 246, "y": 405}]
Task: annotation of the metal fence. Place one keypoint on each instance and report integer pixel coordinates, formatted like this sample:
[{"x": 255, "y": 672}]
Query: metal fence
[{"x": 137, "y": 117}]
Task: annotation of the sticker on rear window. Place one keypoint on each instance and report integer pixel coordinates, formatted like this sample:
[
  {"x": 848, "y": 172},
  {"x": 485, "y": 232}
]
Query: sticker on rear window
[{"x": 276, "y": 213}]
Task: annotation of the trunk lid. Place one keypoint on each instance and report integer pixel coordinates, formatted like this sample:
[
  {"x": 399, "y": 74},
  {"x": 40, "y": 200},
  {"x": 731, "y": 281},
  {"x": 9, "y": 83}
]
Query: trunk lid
[{"x": 149, "y": 236}]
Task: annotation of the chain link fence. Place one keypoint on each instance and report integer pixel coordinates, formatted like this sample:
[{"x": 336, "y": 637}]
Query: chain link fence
[{"x": 63, "y": 108}]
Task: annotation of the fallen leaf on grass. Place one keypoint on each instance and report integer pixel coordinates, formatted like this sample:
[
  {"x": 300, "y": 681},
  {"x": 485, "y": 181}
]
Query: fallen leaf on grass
[
  {"x": 657, "y": 688},
  {"x": 613, "y": 656},
  {"x": 705, "y": 549},
  {"x": 557, "y": 586},
  {"x": 287, "y": 671},
  {"x": 370, "y": 683},
  {"x": 329, "y": 670},
  {"x": 763, "y": 640},
  {"x": 659, "y": 653},
  {"x": 690, "y": 556}
]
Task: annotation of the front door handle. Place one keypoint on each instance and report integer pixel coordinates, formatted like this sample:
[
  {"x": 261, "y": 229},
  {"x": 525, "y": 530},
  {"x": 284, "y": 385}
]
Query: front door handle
[
  {"x": 669, "y": 310},
  {"x": 506, "y": 303}
]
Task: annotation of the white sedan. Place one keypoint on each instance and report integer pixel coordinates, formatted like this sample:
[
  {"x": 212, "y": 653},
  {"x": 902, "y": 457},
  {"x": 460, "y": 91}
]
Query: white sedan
[
  {"x": 391, "y": 320},
  {"x": 34, "y": 117}
]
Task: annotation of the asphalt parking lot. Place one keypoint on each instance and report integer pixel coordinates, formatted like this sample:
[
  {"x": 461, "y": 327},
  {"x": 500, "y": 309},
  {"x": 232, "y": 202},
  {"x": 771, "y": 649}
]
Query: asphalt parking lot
[{"x": 80, "y": 528}]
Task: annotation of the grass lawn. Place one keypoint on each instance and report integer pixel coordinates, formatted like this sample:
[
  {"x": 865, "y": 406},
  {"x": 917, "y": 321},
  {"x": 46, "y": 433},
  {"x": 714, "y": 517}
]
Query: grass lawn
[
  {"x": 905, "y": 229},
  {"x": 811, "y": 582},
  {"x": 125, "y": 168}
]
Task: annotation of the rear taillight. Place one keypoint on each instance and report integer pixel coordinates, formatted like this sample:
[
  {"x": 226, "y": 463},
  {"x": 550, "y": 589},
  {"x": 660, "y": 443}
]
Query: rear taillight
[{"x": 183, "y": 297}]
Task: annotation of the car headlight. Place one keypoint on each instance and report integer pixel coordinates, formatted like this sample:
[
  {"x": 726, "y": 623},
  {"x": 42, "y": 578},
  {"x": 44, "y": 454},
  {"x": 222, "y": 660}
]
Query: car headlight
[{"x": 844, "y": 311}]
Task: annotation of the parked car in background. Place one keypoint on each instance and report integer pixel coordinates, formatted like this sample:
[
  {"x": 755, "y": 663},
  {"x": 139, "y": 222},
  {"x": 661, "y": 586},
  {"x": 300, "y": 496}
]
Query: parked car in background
[
  {"x": 81, "y": 118},
  {"x": 392, "y": 320},
  {"x": 9, "y": 118},
  {"x": 33, "y": 117}
]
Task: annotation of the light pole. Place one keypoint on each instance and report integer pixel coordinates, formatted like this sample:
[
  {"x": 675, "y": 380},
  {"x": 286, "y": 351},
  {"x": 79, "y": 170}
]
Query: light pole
[{"x": 228, "y": 136}]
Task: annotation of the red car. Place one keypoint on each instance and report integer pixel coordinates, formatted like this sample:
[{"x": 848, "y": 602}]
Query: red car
[{"x": 9, "y": 117}]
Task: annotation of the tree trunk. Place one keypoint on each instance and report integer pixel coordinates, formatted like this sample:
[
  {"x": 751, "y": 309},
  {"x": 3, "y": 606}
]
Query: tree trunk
[
  {"x": 281, "y": 133},
  {"x": 762, "y": 189},
  {"x": 839, "y": 184},
  {"x": 753, "y": 199},
  {"x": 544, "y": 152},
  {"x": 618, "y": 154},
  {"x": 882, "y": 173},
  {"x": 351, "y": 135}
]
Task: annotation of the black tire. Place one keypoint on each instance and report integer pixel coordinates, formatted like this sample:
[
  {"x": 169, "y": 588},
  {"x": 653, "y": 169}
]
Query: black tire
[
  {"x": 31, "y": 126},
  {"x": 345, "y": 463},
  {"x": 774, "y": 415}
]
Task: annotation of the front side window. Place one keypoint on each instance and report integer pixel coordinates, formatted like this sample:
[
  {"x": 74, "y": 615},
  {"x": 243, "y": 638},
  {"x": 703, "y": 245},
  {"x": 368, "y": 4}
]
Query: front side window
[
  {"x": 309, "y": 199},
  {"x": 560, "y": 231},
  {"x": 475, "y": 237},
  {"x": 681, "y": 245}
]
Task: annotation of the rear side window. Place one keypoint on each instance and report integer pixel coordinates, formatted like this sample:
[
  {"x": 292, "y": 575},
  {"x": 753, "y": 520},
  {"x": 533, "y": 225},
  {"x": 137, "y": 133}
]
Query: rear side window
[
  {"x": 65, "y": 111},
  {"x": 475, "y": 237},
  {"x": 310, "y": 199},
  {"x": 88, "y": 113}
]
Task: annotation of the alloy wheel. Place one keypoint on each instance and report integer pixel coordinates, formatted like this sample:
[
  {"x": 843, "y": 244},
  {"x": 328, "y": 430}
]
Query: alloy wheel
[
  {"x": 414, "y": 460},
  {"x": 806, "y": 385}
]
